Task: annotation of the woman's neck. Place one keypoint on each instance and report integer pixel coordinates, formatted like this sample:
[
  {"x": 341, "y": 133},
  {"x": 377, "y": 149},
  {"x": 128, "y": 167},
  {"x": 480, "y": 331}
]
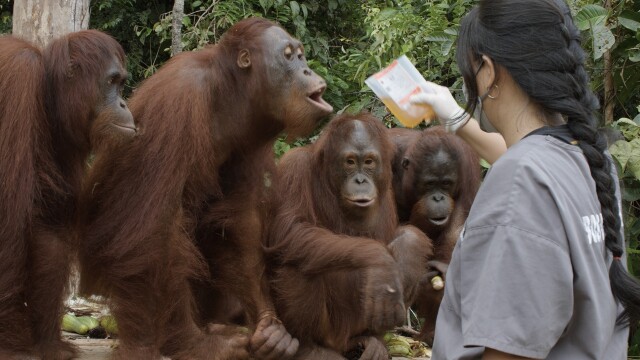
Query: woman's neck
[
  {"x": 515, "y": 114},
  {"x": 521, "y": 123}
]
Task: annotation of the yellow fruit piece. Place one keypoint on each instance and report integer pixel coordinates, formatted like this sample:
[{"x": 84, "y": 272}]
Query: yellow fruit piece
[
  {"x": 70, "y": 323},
  {"x": 109, "y": 324},
  {"x": 399, "y": 350},
  {"x": 437, "y": 283},
  {"x": 89, "y": 321}
]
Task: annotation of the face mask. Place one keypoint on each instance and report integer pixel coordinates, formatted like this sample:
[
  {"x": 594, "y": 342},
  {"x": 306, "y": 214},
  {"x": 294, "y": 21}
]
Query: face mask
[{"x": 478, "y": 113}]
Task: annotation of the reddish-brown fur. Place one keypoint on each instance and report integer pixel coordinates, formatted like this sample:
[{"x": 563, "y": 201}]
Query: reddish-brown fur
[
  {"x": 326, "y": 259},
  {"x": 47, "y": 124},
  {"x": 177, "y": 213},
  {"x": 419, "y": 148}
]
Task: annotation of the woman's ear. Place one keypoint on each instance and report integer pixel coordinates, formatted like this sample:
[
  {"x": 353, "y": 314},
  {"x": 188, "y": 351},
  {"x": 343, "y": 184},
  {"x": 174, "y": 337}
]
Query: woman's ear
[{"x": 489, "y": 75}]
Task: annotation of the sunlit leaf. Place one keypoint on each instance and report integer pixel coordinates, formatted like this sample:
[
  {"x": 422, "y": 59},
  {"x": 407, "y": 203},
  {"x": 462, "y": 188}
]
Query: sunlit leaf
[
  {"x": 603, "y": 39},
  {"x": 625, "y": 121},
  {"x": 446, "y": 47},
  {"x": 439, "y": 37},
  {"x": 451, "y": 31},
  {"x": 591, "y": 15}
]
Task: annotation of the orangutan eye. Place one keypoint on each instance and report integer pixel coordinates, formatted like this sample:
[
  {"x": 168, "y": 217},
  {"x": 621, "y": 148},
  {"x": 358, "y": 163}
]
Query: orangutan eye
[
  {"x": 351, "y": 162},
  {"x": 288, "y": 52},
  {"x": 300, "y": 54},
  {"x": 115, "y": 79},
  {"x": 368, "y": 162}
]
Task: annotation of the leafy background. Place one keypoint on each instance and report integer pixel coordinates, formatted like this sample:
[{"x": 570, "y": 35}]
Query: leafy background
[{"x": 349, "y": 40}]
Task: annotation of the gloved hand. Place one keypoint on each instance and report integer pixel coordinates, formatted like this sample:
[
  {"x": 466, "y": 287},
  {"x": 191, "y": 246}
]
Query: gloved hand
[{"x": 450, "y": 114}]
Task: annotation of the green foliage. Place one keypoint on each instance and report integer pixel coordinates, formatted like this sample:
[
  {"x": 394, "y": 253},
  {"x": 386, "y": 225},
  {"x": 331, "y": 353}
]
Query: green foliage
[
  {"x": 428, "y": 30},
  {"x": 626, "y": 152},
  {"x": 6, "y": 9},
  {"x": 616, "y": 30},
  {"x": 123, "y": 19},
  {"x": 634, "y": 346},
  {"x": 593, "y": 18},
  {"x": 282, "y": 146}
]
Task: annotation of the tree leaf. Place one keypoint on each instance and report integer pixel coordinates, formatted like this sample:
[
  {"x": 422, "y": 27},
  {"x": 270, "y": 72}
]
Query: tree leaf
[
  {"x": 386, "y": 13},
  {"x": 439, "y": 37},
  {"x": 634, "y": 158},
  {"x": 630, "y": 20},
  {"x": 603, "y": 39},
  {"x": 625, "y": 121},
  {"x": 451, "y": 31},
  {"x": 591, "y": 15},
  {"x": 621, "y": 151},
  {"x": 295, "y": 8},
  {"x": 446, "y": 47},
  {"x": 266, "y": 5},
  {"x": 630, "y": 194}
]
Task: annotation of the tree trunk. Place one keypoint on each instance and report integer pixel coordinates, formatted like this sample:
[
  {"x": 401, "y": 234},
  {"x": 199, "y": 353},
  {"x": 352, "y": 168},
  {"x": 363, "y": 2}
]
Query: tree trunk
[
  {"x": 176, "y": 28},
  {"x": 40, "y": 21},
  {"x": 609, "y": 87}
]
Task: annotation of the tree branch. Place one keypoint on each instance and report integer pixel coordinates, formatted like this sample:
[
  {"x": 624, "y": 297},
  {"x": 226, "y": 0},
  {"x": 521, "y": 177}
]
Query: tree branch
[{"x": 176, "y": 27}]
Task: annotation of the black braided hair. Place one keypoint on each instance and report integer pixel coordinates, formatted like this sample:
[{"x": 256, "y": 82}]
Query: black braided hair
[{"x": 538, "y": 44}]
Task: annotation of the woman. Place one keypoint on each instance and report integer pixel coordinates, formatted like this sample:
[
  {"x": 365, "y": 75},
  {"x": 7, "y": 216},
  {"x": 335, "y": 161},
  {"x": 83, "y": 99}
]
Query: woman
[{"x": 539, "y": 269}]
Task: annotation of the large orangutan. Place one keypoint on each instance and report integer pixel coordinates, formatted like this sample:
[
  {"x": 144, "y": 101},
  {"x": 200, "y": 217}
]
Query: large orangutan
[
  {"x": 343, "y": 269},
  {"x": 177, "y": 212},
  {"x": 54, "y": 106},
  {"x": 436, "y": 177}
]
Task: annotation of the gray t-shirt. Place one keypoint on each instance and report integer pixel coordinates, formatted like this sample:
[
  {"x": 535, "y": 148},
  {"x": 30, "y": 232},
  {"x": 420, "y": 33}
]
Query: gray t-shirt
[{"x": 530, "y": 273}]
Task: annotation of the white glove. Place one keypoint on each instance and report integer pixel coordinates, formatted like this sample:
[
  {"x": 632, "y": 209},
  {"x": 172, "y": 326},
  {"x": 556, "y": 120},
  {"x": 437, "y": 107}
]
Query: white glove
[{"x": 450, "y": 114}]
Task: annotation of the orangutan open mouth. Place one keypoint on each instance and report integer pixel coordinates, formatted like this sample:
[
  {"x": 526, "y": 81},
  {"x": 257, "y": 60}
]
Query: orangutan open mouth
[{"x": 316, "y": 98}]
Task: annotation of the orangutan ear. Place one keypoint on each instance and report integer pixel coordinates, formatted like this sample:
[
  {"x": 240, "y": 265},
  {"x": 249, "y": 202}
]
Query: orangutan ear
[
  {"x": 244, "y": 59},
  {"x": 405, "y": 163}
]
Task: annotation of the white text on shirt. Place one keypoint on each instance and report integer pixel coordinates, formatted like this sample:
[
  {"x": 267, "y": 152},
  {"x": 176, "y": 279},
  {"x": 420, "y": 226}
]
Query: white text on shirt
[{"x": 594, "y": 228}]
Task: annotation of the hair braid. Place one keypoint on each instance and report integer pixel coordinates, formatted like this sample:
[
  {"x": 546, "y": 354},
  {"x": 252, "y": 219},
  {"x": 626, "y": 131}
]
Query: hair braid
[{"x": 593, "y": 144}]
